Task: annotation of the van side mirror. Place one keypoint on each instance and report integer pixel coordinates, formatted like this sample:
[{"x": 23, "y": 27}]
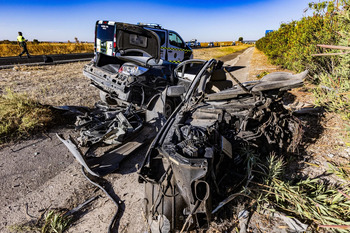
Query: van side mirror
[{"x": 175, "y": 91}]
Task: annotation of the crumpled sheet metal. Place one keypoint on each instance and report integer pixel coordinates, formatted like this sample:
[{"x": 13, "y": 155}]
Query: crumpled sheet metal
[
  {"x": 108, "y": 125},
  {"x": 203, "y": 133}
]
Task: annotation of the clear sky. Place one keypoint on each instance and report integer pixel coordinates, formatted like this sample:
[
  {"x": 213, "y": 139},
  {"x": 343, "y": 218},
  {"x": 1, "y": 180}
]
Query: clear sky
[{"x": 206, "y": 20}]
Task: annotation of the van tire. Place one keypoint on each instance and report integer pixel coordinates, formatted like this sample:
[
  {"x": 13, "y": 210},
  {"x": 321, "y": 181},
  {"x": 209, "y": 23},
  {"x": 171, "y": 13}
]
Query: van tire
[{"x": 169, "y": 107}]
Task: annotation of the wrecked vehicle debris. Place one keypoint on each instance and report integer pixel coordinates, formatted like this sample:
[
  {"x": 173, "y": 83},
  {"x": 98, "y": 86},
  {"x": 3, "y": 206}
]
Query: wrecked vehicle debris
[
  {"x": 118, "y": 124},
  {"x": 200, "y": 150},
  {"x": 128, "y": 77},
  {"x": 148, "y": 100},
  {"x": 198, "y": 153},
  {"x": 134, "y": 89},
  {"x": 108, "y": 124}
]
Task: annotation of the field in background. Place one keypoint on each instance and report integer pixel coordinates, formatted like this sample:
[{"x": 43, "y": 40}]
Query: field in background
[
  {"x": 217, "y": 52},
  {"x": 8, "y": 50},
  {"x": 216, "y": 44}
]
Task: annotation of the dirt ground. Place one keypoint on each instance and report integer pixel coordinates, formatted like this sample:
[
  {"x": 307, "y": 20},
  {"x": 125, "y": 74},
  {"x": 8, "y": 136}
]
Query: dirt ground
[
  {"x": 40, "y": 173},
  {"x": 55, "y": 85}
]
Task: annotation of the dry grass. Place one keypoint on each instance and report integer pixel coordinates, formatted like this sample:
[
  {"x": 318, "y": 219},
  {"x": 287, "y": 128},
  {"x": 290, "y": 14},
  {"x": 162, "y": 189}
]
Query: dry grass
[
  {"x": 7, "y": 50},
  {"x": 23, "y": 109},
  {"x": 20, "y": 116},
  {"x": 309, "y": 199},
  {"x": 62, "y": 84},
  {"x": 217, "y": 52}
]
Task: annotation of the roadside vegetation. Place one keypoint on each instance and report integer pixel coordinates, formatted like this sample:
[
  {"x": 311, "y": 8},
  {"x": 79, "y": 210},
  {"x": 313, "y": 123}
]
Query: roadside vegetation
[
  {"x": 21, "y": 116},
  {"x": 292, "y": 46},
  {"x": 319, "y": 201},
  {"x": 314, "y": 201}
]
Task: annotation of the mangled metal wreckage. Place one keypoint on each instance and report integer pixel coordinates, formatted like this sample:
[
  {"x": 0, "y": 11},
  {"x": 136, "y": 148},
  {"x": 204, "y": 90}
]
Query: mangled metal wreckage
[
  {"x": 211, "y": 118},
  {"x": 200, "y": 146}
]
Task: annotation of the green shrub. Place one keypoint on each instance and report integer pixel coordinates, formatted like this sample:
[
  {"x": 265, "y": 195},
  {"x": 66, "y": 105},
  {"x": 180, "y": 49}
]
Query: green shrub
[
  {"x": 333, "y": 91},
  {"x": 293, "y": 45}
]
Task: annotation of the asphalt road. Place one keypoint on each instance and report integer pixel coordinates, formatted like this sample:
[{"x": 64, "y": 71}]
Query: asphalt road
[
  {"x": 8, "y": 62},
  {"x": 239, "y": 66}
]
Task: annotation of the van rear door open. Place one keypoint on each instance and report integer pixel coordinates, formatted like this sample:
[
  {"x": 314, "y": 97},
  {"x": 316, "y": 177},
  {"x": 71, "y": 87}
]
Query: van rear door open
[
  {"x": 105, "y": 37},
  {"x": 113, "y": 38}
]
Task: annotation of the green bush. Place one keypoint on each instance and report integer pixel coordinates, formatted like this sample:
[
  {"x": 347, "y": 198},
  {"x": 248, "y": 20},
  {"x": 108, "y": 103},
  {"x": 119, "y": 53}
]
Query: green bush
[
  {"x": 292, "y": 46},
  {"x": 333, "y": 91}
]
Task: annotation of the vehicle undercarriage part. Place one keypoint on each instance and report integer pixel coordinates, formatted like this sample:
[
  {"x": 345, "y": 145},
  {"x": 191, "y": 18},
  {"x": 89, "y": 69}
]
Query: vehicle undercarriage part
[
  {"x": 200, "y": 153},
  {"x": 110, "y": 160},
  {"x": 111, "y": 125},
  {"x": 108, "y": 125}
]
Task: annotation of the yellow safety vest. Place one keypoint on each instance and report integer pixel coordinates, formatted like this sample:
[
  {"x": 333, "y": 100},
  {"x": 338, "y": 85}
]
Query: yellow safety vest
[{"x": 20, "y": 39}]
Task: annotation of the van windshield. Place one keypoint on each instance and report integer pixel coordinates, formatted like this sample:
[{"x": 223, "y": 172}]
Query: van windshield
[{"x": 105, "y": 32}]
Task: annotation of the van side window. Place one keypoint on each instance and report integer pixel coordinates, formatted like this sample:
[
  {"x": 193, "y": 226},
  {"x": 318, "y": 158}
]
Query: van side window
[
  {"x": 161, "y": 36},
  {"x": 176, "y": 40}
]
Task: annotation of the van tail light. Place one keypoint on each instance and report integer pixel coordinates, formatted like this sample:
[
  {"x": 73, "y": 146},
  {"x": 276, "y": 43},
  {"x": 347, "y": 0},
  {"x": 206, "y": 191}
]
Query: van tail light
[
  {"x": 131, "y": 69},
  {"x": 95, "y": 42}
]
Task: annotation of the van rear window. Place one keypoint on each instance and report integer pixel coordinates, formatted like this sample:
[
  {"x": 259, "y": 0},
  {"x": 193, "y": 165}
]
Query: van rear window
[{"x": 105, "y": 32}]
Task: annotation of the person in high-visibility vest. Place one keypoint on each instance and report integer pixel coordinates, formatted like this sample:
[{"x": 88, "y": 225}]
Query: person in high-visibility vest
[{"x": 22, "y": 42}]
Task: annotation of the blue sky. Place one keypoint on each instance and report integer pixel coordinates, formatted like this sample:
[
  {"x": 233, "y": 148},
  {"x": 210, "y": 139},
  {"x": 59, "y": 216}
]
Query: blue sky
[{"x": 205, "y": 20}]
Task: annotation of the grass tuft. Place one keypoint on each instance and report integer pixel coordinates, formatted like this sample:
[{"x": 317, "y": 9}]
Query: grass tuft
[
  {"x": 53, "y": 222},
  {"x": 21, "y": 116},
  {"x": 311, "y": 200}
]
